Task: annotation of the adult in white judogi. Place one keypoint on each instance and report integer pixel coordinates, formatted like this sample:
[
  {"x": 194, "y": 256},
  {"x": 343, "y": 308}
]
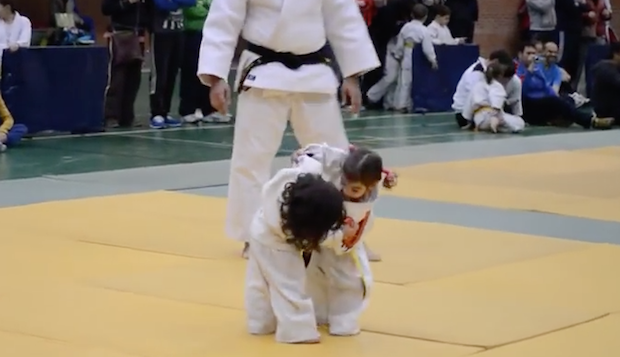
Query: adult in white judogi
[
  {"x": 339, "y": 277},
  {"x": 486, "y": 108},
  {"x": 475, "y": 74},
  {"x": 412, "y": 34},
  {"x": 306, "y": 95},
  {"x": 275, "y": 293}
]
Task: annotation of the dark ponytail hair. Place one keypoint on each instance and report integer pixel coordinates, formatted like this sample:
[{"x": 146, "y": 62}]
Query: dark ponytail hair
[
  {"x": 493, "y": 71},
  {"x": 364, "y": 166}
]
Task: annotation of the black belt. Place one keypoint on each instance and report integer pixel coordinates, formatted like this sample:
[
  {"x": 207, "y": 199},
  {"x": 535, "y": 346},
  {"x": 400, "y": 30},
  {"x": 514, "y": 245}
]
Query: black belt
[{"x": 288, "y": 59}]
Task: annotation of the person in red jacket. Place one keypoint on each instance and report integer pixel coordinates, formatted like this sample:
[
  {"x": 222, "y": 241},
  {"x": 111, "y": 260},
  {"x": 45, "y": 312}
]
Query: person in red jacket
[{"x": 368, "y": 9}]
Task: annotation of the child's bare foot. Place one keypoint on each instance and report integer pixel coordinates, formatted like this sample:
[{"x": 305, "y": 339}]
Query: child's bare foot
[
  {"x": 245, "y": 251},
  {"x": 309, "y": 342},
  {"x": 494, "y": 124},
  {"x": 372, "y": 256}
]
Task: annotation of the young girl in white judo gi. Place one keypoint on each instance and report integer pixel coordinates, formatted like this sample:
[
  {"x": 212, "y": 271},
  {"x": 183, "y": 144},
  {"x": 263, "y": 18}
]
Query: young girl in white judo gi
[
  {"x": 486, "y": 103},
  {"x": 298, "y": 210},
  {"x": 412, "y": 34},
  {"x": 339, "y": 276}
]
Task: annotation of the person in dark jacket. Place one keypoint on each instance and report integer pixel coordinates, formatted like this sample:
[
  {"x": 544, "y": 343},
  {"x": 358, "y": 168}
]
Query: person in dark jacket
[
  {"x": 463, "y": 19},
  {"x": 126, "y": 16},
  {"x": 570, "y": 26},
  {"x": 166, "y": 57},
  {"x": 606, "y": 85}
]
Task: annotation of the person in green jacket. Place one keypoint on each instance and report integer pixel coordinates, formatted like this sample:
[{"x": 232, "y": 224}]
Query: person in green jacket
[{"x": 195, "y": 105}]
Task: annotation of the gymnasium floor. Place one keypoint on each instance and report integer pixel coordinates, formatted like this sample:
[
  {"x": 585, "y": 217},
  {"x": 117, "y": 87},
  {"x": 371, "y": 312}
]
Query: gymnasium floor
[{"x": 112, "y": 246}]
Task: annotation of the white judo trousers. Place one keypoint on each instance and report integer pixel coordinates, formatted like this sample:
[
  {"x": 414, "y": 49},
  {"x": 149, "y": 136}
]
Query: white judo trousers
[
  {"x": 339, "y": 278},
  {"x": 413, "y": 34},
  {"x": 402, "y": 93},
  {"x": 387, "y": 84},
  {"x": 275, "y": 294},
  {"x": 261, "y": 119},
  {"x": 487, "y": 100}
]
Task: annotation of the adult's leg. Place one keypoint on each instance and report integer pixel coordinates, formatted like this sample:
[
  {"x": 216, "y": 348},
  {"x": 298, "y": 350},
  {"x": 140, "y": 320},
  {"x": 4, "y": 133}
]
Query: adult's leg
[
  {"x": 284, "y": 273},
  {"x": 200, "y": 91},
  {"x": 114, "y": 91},
  {"x": 160, "y": 64},
  {"x": 260, "y": 123},
  {"x": 187, "y": 104},
  {"x": 460, "y": 121},
  {"x": 174, "y": 64},
  {"x": 536, "y": 113},
  {"x": 316, "y": 118},
  {"x": 133, "y": 77},
  {"x": 557, "y": 107}
]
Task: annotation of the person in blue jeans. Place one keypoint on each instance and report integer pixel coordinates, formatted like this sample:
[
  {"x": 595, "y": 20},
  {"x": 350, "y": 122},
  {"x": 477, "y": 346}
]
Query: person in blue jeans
[
  {"x": 10, "y": 133},
  {"x": 542, "y": 104}
]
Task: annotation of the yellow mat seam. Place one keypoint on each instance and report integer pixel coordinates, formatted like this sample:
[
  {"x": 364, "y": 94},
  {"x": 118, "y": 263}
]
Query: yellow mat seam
[
  {"x": 122, "y": 291},
  {"x": 27, "y": 334},
  {"x": 586, "y": 246},
  {"x": 425, "y": 339},
  {"x": 111, "y": 245},
  {"x": 485, "y": 349}
]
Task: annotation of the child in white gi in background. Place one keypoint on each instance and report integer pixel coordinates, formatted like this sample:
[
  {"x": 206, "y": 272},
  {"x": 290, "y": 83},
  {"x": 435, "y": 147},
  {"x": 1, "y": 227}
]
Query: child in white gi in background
[
  {"x": 339, "y": 276},
  {"x": 412, "y": 34},
  {"x": 438, "y": 29},
  {"x": 486, "y": 104},
  {"x": 297, "y": 211}
]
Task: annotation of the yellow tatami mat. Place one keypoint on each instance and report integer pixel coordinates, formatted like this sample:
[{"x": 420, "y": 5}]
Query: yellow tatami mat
[
  {"x": 598, "y": 338},
  {"x": 583, "y": 278},
  {"x": 574, "y": 183},
  {"x": 108, "y": 277}
]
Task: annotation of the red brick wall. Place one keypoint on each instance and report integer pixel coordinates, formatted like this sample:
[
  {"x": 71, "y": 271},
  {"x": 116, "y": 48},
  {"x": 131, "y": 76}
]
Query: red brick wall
[{"x": 497, "y": 25}]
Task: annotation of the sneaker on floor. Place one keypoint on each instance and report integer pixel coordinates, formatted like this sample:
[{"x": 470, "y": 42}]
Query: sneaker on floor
[
  {"x": 157, "y": 122},
  {"x": 217, "y": 117},
  {"x": 191, "y": 119},
  {"x": 602, "y": 123},
  {"x": 172, "y": 122}
]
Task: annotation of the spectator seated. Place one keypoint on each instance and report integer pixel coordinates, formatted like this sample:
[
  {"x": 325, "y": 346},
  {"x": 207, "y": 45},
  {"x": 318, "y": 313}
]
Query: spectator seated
[
  {"x": 606, "y": 85},
  {"x": 542, "y": 103}
]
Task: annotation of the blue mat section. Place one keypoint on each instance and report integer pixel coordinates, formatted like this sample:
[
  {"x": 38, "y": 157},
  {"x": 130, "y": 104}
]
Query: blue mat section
[
  {"x": 432, "y": 91},
  {"x": 595, "y": 54},
  {"x": 56, "y": 88}
]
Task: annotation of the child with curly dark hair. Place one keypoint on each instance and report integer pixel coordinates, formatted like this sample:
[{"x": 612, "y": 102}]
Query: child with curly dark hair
[
  {"x": 298, "y": 210},
  {"x": 339, "y": 276}
]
